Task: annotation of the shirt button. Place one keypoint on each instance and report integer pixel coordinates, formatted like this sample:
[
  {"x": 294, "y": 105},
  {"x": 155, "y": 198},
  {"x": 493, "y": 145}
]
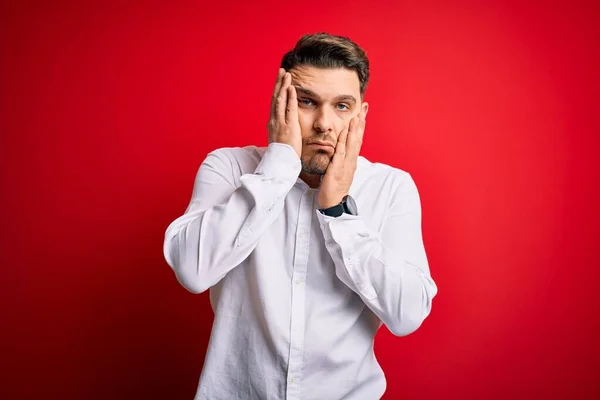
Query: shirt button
[
  {"x": 299, "y": 281},
  {"x": 294, "y": 379}
]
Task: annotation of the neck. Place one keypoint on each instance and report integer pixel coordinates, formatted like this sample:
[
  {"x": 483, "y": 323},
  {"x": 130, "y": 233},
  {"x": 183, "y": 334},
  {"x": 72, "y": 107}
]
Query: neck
[{"x": 312, "y": 180}]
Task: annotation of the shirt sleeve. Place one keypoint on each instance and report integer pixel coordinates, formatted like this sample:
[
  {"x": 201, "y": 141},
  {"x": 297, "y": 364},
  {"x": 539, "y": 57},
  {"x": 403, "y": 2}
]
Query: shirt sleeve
[
  {"x": 388, "y": 269},
  {"x": 223, "y": 223}
]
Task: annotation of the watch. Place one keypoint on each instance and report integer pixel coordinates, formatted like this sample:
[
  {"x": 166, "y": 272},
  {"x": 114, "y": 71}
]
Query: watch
[{"x": 348, "y": 206}]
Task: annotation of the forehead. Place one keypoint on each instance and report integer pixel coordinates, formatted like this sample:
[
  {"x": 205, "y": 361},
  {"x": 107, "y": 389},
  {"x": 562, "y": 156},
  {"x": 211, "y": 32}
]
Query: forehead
[{"x": 326, "y": 82}]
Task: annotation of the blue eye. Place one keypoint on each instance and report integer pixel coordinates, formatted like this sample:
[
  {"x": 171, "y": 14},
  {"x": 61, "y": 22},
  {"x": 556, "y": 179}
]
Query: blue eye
[
  {"x": 305, "y": 102},
  {"x": 343, "y": 105}
]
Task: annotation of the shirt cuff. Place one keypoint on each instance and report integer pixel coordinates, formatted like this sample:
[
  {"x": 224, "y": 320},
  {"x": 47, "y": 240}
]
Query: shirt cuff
[
  {"x": 280, "y": 162},
  {"x": 342, "y": 223}
]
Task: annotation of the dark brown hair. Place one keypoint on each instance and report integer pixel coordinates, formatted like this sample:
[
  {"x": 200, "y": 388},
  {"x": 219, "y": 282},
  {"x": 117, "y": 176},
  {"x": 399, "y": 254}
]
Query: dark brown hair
[{"x": 322, "y": 50}]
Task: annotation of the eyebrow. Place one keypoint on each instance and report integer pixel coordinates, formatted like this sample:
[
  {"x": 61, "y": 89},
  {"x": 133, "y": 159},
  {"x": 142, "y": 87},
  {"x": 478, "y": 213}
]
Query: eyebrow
[{"x": 341, "y": 97}]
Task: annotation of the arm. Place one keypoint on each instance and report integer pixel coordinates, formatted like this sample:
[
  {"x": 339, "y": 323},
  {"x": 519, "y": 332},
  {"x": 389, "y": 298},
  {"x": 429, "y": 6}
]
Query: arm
[
  {"x": 388, "y": 270},
  {"x": 222, "y": 224}
]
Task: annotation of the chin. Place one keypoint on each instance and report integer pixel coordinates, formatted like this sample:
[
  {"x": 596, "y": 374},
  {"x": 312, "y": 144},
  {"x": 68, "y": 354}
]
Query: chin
[{"x": 317, "y": 164}]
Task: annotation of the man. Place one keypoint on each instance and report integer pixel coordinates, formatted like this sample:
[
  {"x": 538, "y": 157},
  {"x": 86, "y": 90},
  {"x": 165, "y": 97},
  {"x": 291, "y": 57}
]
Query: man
[{"x": 306, "y": 247}]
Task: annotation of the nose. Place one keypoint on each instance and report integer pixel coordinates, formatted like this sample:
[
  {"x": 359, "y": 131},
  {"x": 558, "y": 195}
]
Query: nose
[{"x": 324, "y": 121}]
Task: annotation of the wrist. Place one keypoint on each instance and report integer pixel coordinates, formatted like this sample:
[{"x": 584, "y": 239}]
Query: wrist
[
  {"x": 331, "y": 202},
  {"x": 346, "y": 206}
]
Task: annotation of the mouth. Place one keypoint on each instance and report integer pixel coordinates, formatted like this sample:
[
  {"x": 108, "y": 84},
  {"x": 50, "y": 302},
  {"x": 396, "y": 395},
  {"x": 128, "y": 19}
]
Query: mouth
[{"x": 322, "y": 146}]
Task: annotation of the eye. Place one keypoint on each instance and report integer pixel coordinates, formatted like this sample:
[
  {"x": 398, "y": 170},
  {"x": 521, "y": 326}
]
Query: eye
[
  {"x": 343, "y": 107},
  {"x": 305, "y": 102}
]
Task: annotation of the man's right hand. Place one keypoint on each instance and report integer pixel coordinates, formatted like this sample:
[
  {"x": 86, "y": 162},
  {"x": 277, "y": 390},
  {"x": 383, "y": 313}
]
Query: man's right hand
[{"x": 283, "y": 125}]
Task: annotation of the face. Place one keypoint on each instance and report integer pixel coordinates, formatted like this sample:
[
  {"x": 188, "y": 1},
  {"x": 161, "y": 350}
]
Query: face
[{"x": 327, "y": 101}]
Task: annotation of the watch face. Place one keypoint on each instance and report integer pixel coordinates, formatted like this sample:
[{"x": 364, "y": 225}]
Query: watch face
[{"x": 351, "y": 205}]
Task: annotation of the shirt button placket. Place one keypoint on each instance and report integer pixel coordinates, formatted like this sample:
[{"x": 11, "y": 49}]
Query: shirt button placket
[{"x": 297, "y": 322}]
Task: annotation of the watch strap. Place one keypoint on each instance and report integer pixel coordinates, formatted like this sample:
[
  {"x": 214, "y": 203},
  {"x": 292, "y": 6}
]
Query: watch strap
[{"x": 334, "y": 211}]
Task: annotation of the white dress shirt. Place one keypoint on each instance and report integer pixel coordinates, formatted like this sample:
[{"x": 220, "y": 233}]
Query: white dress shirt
[{"x": 298, "y": 296}]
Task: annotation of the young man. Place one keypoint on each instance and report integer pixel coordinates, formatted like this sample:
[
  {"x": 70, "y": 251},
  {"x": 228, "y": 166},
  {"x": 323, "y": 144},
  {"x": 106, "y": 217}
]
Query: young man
[{"x": 306, "y": 247}]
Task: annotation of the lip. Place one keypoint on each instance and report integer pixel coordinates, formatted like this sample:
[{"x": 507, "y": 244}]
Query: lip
[{"x": 323, "y": 145}]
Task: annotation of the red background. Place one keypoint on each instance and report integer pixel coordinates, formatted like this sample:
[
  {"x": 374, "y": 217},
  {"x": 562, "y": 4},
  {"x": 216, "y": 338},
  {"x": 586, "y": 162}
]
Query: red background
[{"x": 108, "y": 108}]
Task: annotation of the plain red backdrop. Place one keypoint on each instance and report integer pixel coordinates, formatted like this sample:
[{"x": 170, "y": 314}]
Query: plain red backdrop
[{"x": 108, "y": 109}]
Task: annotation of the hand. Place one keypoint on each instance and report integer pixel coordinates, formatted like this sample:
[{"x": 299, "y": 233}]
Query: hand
[
  {"x": 283, "y": 125},
  {"x": 340, "y": 172}
]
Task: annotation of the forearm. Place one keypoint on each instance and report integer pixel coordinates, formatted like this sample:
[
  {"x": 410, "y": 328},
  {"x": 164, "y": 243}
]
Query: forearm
[
  {"x": 399, "y": 292},
  {"x": 205, "y": 243},
  {"x": 388, "y": 269}
]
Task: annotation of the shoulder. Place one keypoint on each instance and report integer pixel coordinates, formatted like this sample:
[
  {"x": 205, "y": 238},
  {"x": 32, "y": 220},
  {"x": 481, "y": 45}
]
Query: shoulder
[
  {"x": 382, "y": 186},
  {"x": 236, "y": 160},
  {"x": 381, "y": 174},
  {"x": 239, "y": 154}
]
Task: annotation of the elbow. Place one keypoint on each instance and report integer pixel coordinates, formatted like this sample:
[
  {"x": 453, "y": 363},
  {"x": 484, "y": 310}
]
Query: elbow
[
  {"x": 406, "y": 324},
  {"x": 186, "y": 270},
  {"x": 412, "y": 315},
  {"x": 192, "y": 283}
]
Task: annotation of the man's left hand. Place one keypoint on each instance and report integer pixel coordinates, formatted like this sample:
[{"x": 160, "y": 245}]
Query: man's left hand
[{"x": 340, "y": 172}]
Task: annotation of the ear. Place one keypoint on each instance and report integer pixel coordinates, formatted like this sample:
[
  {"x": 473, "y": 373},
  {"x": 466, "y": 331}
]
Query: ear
[{"x": 364, "y": 109}]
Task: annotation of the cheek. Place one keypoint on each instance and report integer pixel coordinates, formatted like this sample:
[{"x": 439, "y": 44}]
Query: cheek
[
  {"x": 306, "y": 123},
  {"x": 343, "y": 122}
]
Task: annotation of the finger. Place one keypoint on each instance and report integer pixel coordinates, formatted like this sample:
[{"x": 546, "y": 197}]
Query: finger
[
  {"x": 282, "y": 98},
  {"x": 355, "y": 136},
  {"x": 291, "y": 114},
  {"x": 351, "y": 129},
  {"x": 340, "y": 147},
  {"x": 278, "y": 82}
]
